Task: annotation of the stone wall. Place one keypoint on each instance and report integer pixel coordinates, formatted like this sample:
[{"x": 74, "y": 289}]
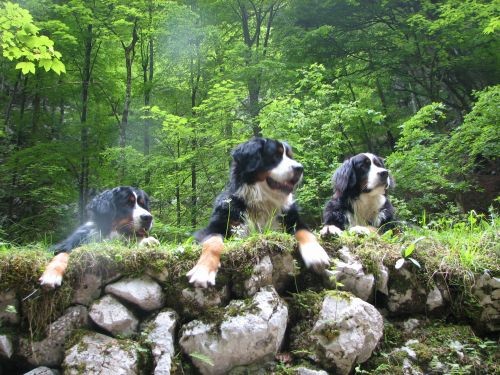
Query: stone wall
[{"x": 265, "y": 310}]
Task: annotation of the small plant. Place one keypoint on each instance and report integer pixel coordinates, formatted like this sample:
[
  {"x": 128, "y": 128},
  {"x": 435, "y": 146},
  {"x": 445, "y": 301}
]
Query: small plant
[
  {"x": 406, "y": 255},
  {"x": 202, "y": 357}
]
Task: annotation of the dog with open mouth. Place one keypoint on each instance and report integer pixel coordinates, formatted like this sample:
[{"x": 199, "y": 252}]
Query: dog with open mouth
[
  {"x": 360, "y": 201},
  {"x": 122, "y": 212},
  {"x": 259, "y": 195}
]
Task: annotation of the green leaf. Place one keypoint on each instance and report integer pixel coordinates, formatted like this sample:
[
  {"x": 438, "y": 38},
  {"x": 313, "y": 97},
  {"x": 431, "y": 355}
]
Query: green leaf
[
  {"x": 203, "y": 358},
  {"x": 26, "y": 67}
]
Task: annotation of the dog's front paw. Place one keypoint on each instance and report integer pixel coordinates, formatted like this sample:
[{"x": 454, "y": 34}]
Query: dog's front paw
[
  {"x": 51, "y": 279},
  {"x": 149, "y": 242},
  {"x": 314, "y": 256},
  {"x": 360, "y": 230},
  {"x": 202, "y": 276},
  {"x": 330, "y": 230}
]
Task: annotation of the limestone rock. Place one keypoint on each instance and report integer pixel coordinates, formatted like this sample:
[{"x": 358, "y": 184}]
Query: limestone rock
[
  {"x": 349, "y": 272},
  {"x": 196, "y": 300},
  {"x": 434, "y": 299},
  {"x": 249, "y": 333},
  {"x": 6, "y": 347},
  {"x": 42, "y": 370},
  {"x": 115, "y": 318},
  {"x": 161, "y": 338},
  {"x": 100, "y": 354},
  {"x": 345, "y": 332},
  {"x": 50, "y": 351},
  {"x": 143, "y": 292},
  {"x": 9, "y": 307},
  {"x": 306, "y": 371},
  {"x": 262, "y": 275},
  {"x": 487, "y": 291},
  {"x": 406, "y": 293},
  {"x": 87, "y": 289},
  {"x": 283, "y": 270}
]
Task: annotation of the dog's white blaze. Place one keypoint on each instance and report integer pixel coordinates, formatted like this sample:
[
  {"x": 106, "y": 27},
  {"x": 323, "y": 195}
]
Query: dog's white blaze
[
  {"x": 284, "y": 170},
  {"x": 373, "y": 176},
  {"x": 137, "y": 213}
]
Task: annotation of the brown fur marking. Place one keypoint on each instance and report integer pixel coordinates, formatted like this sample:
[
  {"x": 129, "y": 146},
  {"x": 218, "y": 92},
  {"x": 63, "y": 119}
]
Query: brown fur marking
[
  {"x": 211, "y": 251},
  {"x": 304, "y": 237}
]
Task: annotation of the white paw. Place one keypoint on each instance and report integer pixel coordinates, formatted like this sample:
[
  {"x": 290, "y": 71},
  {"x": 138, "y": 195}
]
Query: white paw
[
  {"x": 330, "y": 230},
  {"x": 360, "y": 230},
  {"x": 149, "y": 242},
  {"x": 50, "y": 279},
  {"x": 201, "y": 276},
  {"x": 314, "y": 256}
]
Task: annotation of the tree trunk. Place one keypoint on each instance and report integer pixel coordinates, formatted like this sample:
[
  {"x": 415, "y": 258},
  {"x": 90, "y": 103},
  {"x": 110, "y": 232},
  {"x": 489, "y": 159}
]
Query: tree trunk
[{"x": 83, "y": 180}]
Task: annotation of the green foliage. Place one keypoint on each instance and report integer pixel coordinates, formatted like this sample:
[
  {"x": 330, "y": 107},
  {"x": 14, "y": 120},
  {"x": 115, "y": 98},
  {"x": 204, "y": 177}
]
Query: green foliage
[
  {"x": 477, "y": 139},
  {"x": 20, "y": 41}
]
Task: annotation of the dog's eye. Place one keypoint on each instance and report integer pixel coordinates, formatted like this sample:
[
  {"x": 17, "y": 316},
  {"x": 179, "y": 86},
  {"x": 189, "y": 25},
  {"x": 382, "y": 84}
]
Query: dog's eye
[
  {"x": 367, "y": 161},
  {"x": 131, "y": 199},
  {"x": 280, "y": 150}
]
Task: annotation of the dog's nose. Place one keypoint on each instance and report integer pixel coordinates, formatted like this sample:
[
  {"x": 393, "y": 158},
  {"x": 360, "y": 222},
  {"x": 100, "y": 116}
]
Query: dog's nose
[
  {"x": 383, "y": 174},
  {"x": 146, "y": 218},
  {"x": 298, "y": 169}
]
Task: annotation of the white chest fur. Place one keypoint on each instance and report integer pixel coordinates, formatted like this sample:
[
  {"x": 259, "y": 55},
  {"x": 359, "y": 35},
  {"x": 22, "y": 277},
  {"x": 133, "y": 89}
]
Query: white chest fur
[
  {"x": 366, "y": 209},
  {"x": 264, "y": 205}
]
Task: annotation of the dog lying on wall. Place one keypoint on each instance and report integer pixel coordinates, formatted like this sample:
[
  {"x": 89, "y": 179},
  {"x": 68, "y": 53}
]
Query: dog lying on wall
[
  {"x": 359, "y": 202},
  {"x": 122, "y": 212},
  {"x": 262, "y": 179}
]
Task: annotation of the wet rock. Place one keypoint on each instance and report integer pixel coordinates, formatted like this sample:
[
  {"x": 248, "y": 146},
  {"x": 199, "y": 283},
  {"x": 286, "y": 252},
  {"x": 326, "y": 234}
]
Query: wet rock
[{"x": 6, "y": 347}]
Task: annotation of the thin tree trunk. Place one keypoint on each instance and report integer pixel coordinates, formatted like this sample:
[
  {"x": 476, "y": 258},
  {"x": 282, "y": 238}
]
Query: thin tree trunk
[{"x": 83, "y": 180}]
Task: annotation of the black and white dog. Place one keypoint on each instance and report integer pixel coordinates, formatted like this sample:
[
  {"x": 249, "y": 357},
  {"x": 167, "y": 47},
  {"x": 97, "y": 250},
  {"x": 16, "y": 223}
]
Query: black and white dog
[
  {"x": 122, "y": 212},
  {"x": 260, "y": 195},
  {"x": 359, "y": 202}
]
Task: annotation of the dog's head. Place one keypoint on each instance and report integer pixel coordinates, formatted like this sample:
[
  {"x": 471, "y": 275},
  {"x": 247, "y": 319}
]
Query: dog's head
[
  {"x": 124, "y": 209},
  {"x": 262, "y": 159},
  {"x": 363, "y": 173}
]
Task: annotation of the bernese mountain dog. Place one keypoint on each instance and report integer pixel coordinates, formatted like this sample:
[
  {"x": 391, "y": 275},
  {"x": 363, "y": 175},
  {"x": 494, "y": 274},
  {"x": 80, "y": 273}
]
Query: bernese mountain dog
[
  {"x": 122, "y": 212},
  {"x": 359, "y": 202},
  {"x": 259, "y": 196}
]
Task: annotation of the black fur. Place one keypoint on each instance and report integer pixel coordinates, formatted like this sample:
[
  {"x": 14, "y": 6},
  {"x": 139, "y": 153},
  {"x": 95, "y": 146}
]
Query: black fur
[
  {"x": 104, "y": 210},
  {"x": 350, "y": 181},
  {"x": 250, "y": 160}
]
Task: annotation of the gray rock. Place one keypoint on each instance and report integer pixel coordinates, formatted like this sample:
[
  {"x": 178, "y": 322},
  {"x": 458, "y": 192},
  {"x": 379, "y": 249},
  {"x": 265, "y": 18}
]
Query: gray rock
[
  {"x": 250, "y": 333},
  {"x": 346, "y": 332},
  {"x": 406, "y": 294},
  {"x": 195, "y": 300},
  {"x": 487, "y": 293},
  {"x": 161, "y": 338},
  {"x": 100, "y": 354},
  {"x": 284, "y": 269},
  {"x": 9, "y": 307},
  {"x": 410, "y": 325},
  {"x": 383, "y": 280},
  {"x": 434, "y": 299},
  {"x": 50, "y": 351},
  {"x": 87, "y": 289},
  {"x": 306, "y": 371},
  {"x": 349, "y": 272},
  {"x": 115, "y": 318},
  {"x": 6, "y": 347},
  {"x": 143, "y": 292},
  {"x": 262, "y": 275},
  {"x": 42, "y": 370}
]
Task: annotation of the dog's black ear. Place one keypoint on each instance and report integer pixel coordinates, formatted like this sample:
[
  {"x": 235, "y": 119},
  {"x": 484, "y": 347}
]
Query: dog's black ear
[
  {"x": 248, "y": 157},
  {"x": 344, "y": 177},
  {"x": 102, "y": 210}
]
